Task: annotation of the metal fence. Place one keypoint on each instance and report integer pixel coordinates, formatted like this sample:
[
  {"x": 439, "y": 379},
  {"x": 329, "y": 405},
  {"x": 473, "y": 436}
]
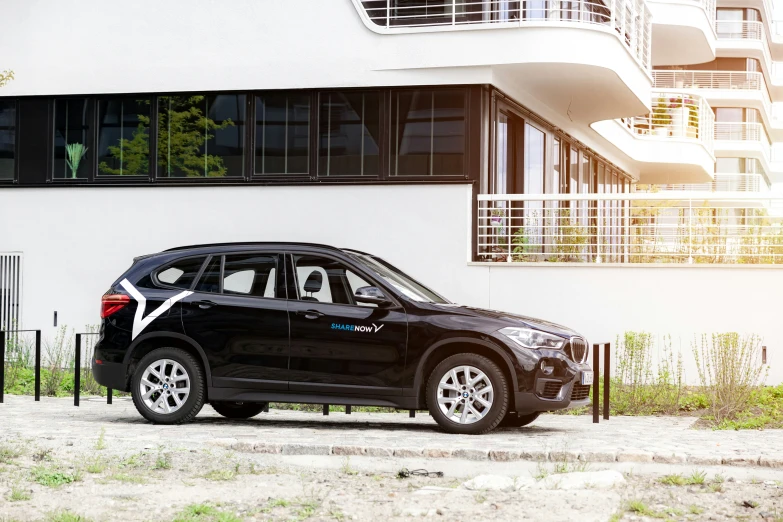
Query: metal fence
[
  {"x": 10, "y": 289},
  {"x": 630, "y": 228},
  {"x": 630, "y": 19}
]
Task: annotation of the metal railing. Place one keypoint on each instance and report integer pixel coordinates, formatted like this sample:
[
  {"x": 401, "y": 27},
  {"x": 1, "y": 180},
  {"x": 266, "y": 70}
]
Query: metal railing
[
  {"x": 630, "y": 228},
  {"x": 744, "y": 131},
  {"x": 630, "y": 19},
  {"x": 721, "y": 183},
  {"x": 740, "y": 30},
  {"x": 675, "y": 116}
]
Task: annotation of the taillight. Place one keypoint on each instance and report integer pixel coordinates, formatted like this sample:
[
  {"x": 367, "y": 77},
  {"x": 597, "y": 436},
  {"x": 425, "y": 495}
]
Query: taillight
[{"x": 113, "y": 303}]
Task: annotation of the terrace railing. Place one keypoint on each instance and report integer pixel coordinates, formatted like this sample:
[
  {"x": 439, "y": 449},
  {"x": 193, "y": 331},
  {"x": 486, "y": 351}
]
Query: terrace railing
[
  {"x": 685, "y": 228},
  {"x": 630, "y": 20},
  {"x": 721, "y": 183},
  {"x": 744, "y": 131}
]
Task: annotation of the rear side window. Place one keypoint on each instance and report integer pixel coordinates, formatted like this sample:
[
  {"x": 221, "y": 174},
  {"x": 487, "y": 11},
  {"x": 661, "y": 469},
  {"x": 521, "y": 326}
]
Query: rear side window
[
  {"x": 180, "y": 274},
  {"x": 253, "y": 274}
]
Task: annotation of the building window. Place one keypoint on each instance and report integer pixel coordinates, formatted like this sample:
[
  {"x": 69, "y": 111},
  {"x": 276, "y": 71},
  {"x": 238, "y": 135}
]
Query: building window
[
  {"x": 7, "y": 139},
  {"x": 282, "y": 134},
  {"x": 429, "y": 133},
  {"x": 349, "y": 134},
  {"x": 73, "y": 148},
  {"x": 201, "y": 136},
  {"x": 124, "y": 137}
]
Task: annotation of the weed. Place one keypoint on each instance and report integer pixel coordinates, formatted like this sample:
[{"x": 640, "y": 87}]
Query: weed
[
  {"x": 279, "y": 502},
  {"x": 19, "y": 495},
  {"x": 96, "y": 465},
  {"x": 697, "y": 478},
  {"x": 101, "y": 444},
  {"x": 306, "y": 509},
  {"x": 134, "y": 461},
  {"x": 205, "y": 513},
  {"x": 127, "y": 478},
  {"x": 695, "y": 510},
  {"x": 346, "y": 467},
  {"x": 716, "y": 487},
  {"x": 163, "y": 462},
  {"x": 52, "y": 477},
  {"x": 541, "y": 471},
  {"x": 221, "y": 475},
  {"x": 639, "y": 507},
  {"x": 337, "y": 514},
  {"x": 7, "y": 454},
  {"x": 480, "y": 498},
  {"x": 65, "y": 516},
  {"x": 42, "y": 454},
  {"x": 718, "y": 479}
]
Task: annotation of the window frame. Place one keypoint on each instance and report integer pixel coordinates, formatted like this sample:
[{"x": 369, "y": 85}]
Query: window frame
[
  {"x": 312, "y": 138},
  {"x": 14, "y": 179},
  {"x": 157, "y": 282},
  {"x": 392, "y": 106},
  {"x": 93, "y": 135},
  {"x": 293, "y": 280},
  {"x": 152, "y": 133},
  {"x": 280, "y": 277}
]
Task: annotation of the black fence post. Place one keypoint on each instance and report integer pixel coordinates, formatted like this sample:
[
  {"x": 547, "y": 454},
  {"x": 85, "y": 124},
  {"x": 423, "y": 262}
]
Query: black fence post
[
  {"x": 607, "y": 379},
  {"x": 412, "y": 413},
  {"x": 326, "y": 409},
  {"x": 347, "y": 409},
  {"x": 596, "y": 392},
  {"x": 109, "y": 393},
  {"x": 77, "y": 372},
  {"x": 2, "y": 366},
  {"x": 38, "y": 365}
]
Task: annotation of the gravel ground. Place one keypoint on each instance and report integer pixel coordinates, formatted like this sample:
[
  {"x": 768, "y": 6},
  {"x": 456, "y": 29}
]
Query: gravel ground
[{"x": 58, "y": 463}]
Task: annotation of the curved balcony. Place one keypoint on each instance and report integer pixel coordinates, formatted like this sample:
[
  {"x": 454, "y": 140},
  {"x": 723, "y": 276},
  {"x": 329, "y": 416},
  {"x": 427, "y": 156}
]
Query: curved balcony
[
  {"x": 683, "y": 31},
  {"x": 723, "y": 183},
  {"x": 672, "y": 144},
  {"x": 590, "y": 59},
  {"x": 744, "y": 140},
  {"x": 749, "y": 39}
]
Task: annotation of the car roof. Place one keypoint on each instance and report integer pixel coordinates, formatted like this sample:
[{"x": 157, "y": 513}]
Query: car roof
[{"x": 226, "y": 246}]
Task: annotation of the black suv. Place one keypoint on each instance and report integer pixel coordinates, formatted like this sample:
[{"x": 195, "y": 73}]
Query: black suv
[{"x": 241, "y": 325}]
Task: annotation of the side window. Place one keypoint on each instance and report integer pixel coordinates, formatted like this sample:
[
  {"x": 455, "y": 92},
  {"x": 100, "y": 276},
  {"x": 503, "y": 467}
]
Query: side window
[
  {"x": 181, "y": 274},
  {"x": 250, "y": 274},
  {"x": 354, "y": 283},
  {"x": 323, "y": 280},
  {"x": 210, "y": 279}
]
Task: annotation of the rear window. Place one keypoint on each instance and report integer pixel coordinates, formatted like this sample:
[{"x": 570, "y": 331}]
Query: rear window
[{"x": 180, "y": 274}]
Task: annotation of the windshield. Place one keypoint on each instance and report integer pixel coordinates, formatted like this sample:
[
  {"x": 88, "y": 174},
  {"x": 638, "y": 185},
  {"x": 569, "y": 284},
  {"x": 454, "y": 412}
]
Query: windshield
[{"x": 403, "y": 283}]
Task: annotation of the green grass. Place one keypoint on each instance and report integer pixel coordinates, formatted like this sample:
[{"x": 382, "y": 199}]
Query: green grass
[
  {"x": 96, "y": 465},
  {"x": 279, "y": 502},
  {"x": 205, "y": 513},
  {"x": 19, "y": 495},
  {"x": 127, "y": 478},
  {"x": 54, "y": 477},
  {"x": 640, "y": 508},
  {"x": 65, "y": 516},
  {"x": 765, "y": 412},
  {"x": 696, "y": 478},
  {"x": 162, "y": 462},
  {"x": 101, "y": 443},
  {"x": 8, "y": 454},
  {"x": 695, "y": 510},
  {"x": 221, "y": 475}
]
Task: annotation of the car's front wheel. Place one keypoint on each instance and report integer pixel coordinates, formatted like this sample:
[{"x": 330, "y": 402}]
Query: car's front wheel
[
  {"x": 467, "y": 393},
  {"x": 238, "y": 410},
  {"x": 168, "y": 386}
]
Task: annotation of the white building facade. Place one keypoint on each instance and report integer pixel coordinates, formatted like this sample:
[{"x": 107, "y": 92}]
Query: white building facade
[{"x": 604, "y": 164}]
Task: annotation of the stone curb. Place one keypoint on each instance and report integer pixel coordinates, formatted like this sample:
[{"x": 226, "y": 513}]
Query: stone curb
[{"x": 500, "y": 455}]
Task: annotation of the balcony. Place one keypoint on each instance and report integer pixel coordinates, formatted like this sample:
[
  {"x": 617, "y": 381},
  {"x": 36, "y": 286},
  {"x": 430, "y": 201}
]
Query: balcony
[
  {"x": 756, "y": 183},
  {"x": 745, "y": 139},
  {"x": 683, "y": 31},
  {"x": 588, "y": 59},
  {"x": 672, "y": 144},
  {"x": 686, "y": 228}
]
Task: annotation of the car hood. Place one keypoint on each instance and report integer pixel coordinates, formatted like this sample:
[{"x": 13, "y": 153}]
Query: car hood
[{"x": 510, "y": 319}]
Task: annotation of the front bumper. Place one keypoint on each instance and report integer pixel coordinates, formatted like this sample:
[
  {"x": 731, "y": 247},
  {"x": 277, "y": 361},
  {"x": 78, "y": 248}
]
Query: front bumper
[{"x": 112, "y": 375}]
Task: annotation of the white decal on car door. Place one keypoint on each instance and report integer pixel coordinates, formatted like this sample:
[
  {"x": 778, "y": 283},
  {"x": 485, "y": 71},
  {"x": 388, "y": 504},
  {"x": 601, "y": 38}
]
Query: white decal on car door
[{"x": 139, "y": 321}]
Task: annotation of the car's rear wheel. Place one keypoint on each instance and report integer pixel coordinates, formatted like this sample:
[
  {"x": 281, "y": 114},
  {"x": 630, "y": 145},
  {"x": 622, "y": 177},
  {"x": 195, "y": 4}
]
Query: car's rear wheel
[
  {"x": 514, "y": 420},
  {"x": 467, "y": 393},
  {"x": 238, "y": 410},
  {"x": 168, "y": 386}
]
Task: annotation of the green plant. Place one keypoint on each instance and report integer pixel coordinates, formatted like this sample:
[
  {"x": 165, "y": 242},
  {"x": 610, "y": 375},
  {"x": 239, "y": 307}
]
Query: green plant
[
  {"x": 730, "y": 369},
  {"x": 55, "y": 357},
  {"x": 53, "y": 477},
  {"x": 101, "y": 442},
  {"x": 163, "y": 462},
  {"x": 74, "y": 153},
  {"x": 65, "y": 516},
  {"x": 18, "y": 494},
  {"x": 660, "y": 114},
  {"x": 205, "y": 513},
  {"x": 5, "y": 77}
]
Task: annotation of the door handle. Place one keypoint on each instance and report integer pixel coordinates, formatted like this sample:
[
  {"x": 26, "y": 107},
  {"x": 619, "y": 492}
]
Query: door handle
[
  {"x": 204, "y": 305},
  {"x": 310, "y": 314}
]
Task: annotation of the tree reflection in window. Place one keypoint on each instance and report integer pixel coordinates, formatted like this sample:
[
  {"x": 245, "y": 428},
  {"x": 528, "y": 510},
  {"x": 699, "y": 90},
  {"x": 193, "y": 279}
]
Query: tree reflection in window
[{"x": 123, "y": 137}]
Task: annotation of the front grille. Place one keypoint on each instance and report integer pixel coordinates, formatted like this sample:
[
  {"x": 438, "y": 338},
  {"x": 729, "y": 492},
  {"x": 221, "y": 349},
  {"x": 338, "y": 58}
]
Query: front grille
[
  {"x": 580, "y": 392},
  {"x": 577, "y": 349},
  {"x": 551, "y": 390}
]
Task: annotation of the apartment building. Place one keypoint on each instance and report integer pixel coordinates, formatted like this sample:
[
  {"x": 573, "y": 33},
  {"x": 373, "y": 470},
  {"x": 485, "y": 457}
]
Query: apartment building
[{"x": 605, "y": 164}]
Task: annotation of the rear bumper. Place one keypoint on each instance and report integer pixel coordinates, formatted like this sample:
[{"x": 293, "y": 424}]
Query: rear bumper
[{"x": 111, "y": 375}]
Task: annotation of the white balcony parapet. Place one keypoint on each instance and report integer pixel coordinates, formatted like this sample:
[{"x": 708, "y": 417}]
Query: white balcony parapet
[
  {"x": 675, "y": 116},
  {"x": 740, "y": 30},
  {"x": 744, "y": 131},
  {"x": 723, "y": 183},
  {"x": 629, "y": 20},
  {"x": 686, "y": 228}
]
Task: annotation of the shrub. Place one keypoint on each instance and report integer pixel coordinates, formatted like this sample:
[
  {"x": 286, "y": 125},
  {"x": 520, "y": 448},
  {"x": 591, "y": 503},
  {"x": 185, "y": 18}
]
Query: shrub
[
  {"x": 730, "y": 370},
  {"x": 56, "y": 355}
]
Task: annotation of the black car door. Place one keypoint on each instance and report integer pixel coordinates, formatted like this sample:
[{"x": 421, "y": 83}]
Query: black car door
[
  {"x": 337, "y": 344},
  {"x": 238, "y": 314}
]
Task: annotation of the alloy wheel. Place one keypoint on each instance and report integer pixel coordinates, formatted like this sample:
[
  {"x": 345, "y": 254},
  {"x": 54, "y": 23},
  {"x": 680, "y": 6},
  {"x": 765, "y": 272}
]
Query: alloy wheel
[
  {"x": 465, "y": 394},
  {"x": 164, "y": 386}
]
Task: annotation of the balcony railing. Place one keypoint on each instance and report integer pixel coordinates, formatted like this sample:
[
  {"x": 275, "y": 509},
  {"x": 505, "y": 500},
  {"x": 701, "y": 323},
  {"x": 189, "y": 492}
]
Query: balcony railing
[
  {"x": 756, "y": 183},
  {"x": 630, "y": 228},
  {"x": 744, "y": 131},
  {"x": 675, "y": 116},
  {"x": 740, "y": 30},
  {"x": 630, "y": 20}
]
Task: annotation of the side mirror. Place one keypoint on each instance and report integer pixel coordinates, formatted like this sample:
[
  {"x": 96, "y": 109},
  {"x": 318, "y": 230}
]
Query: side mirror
[{"x": 370, "y": 295}]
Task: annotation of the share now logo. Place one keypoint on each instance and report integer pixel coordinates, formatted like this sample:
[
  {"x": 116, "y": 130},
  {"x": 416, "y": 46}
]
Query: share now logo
[{"x": 357, "y": 328}]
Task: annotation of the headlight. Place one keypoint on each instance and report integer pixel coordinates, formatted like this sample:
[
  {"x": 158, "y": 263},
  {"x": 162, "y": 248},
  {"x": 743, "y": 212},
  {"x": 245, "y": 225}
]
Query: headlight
[{"x": 528, "y": 338}]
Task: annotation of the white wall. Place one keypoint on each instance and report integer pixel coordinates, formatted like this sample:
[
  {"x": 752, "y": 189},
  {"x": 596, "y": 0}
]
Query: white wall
[{"x": 77, "y": 241}]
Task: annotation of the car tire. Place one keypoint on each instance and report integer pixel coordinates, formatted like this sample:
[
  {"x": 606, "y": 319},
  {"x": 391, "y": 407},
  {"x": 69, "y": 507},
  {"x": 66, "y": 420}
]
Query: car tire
[
  {"x": 514, "y": 420},
  {"x": 156, "y": 381},
  {"x": 485, "y": 409},
  {"x": 238, "y": 410}
]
